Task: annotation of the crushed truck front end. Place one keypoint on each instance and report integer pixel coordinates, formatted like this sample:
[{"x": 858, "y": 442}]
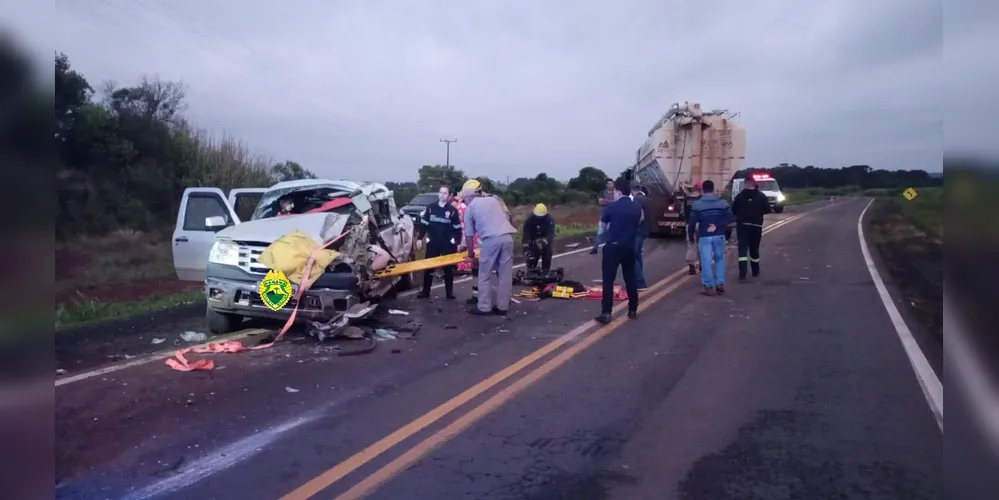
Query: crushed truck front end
[{"x": 374, "y": 233}]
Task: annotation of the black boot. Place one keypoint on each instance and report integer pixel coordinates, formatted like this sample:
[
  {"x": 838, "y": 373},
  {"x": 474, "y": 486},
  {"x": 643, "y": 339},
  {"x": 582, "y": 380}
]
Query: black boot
[
  {"x": 604, "y": 318},
  {"x": 692, "y": 270},
  {"x": 756, "y": 268}
]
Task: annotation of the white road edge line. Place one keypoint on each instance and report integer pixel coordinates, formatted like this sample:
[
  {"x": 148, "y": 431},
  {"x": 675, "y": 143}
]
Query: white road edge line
[
  {"x": 928, "y": 380},
  {"x": 151, "y": 357},
  {"x": 166, "y": 354}
]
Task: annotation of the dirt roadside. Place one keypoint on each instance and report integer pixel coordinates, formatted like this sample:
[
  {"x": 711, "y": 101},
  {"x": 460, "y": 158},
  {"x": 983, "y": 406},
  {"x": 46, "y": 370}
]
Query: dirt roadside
[{"x": 914, "y": 261}]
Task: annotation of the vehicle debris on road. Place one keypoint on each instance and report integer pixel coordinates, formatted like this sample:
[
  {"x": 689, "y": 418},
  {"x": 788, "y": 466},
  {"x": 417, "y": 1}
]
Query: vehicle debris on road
[{"x": 191, "y": 337}]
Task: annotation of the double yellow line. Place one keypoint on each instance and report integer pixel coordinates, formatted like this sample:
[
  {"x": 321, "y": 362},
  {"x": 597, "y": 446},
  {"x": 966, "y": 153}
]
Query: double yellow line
[{"x": 367, "y": 485}]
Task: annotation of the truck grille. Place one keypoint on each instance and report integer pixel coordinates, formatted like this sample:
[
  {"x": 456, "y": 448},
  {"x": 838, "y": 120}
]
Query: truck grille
[
  {"x": 249, "y": 253},
  {"x": 771, "y": 199}
]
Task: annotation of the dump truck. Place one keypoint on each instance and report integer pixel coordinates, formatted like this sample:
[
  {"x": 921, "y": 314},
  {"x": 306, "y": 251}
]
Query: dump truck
[{"x": 686, "y": 147}]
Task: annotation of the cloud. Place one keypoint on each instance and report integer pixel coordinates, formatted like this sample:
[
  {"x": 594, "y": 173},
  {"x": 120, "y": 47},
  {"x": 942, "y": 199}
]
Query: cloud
[{"x": 530, "y": 86}]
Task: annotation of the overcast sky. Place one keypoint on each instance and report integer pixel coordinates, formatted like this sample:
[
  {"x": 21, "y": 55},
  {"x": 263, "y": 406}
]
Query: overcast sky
[{"x": 529, "y": 86}]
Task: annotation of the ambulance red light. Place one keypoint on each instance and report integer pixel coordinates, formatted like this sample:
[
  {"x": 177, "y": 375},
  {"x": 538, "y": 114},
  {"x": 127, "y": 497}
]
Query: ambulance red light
[{"x": 761, "y": 177}]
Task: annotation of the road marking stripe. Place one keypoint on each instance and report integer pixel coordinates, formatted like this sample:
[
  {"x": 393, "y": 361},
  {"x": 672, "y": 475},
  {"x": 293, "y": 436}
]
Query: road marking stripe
[
  {"x": 414, "y": 454},
  {"x": 340, "y": 470},
  {"x": 330, "y": 476},
  {"x": 151, "y": 357},
  {"x": 928, "y": 381}
]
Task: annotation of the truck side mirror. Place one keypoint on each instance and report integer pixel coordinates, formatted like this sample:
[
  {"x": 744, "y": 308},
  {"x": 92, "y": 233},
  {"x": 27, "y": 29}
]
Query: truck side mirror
[{"x": 215, "y": 223}]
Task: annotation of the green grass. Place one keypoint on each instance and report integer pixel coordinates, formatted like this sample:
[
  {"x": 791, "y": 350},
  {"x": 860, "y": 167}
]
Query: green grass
[
  {"x": 90, "y": 311},
  {"x": 925, "y": 210}
]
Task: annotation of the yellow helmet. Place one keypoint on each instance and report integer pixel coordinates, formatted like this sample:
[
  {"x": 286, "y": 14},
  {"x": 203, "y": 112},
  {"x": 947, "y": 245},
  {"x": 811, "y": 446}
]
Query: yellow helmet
[
  {"x": 540, "y": 209},
  {"x": 470, "y": 187}
]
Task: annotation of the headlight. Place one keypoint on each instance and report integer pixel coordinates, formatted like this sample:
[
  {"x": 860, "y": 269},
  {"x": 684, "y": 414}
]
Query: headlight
[
  {"x": 224, "y": 252},
  {"x": 780, "y": 197}
]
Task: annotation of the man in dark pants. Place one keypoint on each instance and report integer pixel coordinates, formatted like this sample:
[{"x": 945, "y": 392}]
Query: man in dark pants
[
  {"x": 440, "y": 225},
  {"x": 749, "y": 207},
  {"x": 643, "y": 232},
  {"x": 538, "y": 238},
  {"x": 622, "y": 218}
]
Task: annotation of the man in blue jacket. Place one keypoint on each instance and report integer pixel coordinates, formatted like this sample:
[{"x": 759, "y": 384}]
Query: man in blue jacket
[
  {"x": 623, "y": 218},
  {"x": 707, "y": 220}
]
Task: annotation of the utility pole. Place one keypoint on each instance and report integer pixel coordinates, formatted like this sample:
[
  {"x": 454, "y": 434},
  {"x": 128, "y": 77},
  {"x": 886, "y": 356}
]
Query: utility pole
[{"x": 447, "y": 149}]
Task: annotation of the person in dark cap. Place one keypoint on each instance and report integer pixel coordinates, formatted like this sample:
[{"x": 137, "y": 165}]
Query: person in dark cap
[{"x": 638, "y": 196}]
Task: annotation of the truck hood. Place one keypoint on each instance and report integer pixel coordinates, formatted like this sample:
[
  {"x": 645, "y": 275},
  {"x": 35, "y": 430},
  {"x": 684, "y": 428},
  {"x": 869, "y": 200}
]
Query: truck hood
[{"x": 322, "y": 227}]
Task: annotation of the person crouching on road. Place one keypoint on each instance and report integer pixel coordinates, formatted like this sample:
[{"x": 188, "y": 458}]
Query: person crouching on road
[
  {"x": 622, "y": 218},
  {"x": 749, "y": 207},
  {"x": 638, "y": 196},
  {"x": 538, "y": 238},
  {"x": 607, "y": 196},
  {"x": 440, "y": 225},
  {"x": 487, "y": 216},
  {"x": 708, "y": 217}
]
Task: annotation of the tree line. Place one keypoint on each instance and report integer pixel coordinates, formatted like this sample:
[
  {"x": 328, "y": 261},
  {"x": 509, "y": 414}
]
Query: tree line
[{"x": 127, "y": 153}]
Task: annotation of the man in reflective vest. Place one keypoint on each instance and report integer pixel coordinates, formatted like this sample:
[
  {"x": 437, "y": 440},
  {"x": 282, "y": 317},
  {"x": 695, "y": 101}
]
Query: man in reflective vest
[
  {"x": 749, "y": 207},
  {"x": 442, "y": 229}
]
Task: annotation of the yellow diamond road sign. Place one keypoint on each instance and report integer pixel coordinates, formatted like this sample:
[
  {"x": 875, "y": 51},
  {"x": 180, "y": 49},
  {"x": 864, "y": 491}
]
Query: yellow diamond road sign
[{"x": 910, "y": 194}]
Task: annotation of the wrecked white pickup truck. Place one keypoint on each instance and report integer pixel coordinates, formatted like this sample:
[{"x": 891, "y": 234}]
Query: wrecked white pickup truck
[{"x": 218, "y": 240}]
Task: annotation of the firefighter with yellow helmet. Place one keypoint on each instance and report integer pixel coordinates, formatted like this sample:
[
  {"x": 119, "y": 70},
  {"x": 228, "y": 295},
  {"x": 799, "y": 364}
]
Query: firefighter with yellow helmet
[
  {"x": 487, "y": 225},
  {"x": 538, "y": 238}
]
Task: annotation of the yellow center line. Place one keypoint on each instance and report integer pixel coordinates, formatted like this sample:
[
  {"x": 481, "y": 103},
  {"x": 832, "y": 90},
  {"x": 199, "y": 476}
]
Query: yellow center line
[
  {"x": 390, "y": 470},
  {"x": 339, "y": 471},
  {"x": 364, "y": 456}
]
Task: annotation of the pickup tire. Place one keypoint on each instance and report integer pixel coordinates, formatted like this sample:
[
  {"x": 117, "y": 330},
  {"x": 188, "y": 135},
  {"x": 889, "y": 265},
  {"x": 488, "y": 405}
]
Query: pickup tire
[
  {"x": 778, "y": 209},
  {"x": 219, "y": 322}
]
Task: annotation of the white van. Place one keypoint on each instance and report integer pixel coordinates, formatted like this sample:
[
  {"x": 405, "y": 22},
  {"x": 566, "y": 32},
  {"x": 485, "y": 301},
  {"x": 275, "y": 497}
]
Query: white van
[{"x": 768, "y": 186}]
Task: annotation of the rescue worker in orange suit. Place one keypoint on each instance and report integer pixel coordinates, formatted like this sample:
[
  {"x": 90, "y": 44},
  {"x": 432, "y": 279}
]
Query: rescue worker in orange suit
[
  {"x": 441, "y": 227},
  {"x": 538, "y": 238},
  {"x": 749, "y": 207}
]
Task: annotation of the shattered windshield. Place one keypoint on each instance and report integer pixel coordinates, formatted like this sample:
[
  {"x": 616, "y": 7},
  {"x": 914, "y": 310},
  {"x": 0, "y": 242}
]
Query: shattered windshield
[
  {"x": 768, "y": 185},
  {"x": 300, "y": 200}
]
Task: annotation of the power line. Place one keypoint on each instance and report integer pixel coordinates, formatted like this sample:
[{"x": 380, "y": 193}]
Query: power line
[{"x": 447, "y": 151}]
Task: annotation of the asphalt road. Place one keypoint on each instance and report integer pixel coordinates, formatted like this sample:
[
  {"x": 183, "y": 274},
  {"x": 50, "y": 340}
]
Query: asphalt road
[{"x": 794, "y": 385}]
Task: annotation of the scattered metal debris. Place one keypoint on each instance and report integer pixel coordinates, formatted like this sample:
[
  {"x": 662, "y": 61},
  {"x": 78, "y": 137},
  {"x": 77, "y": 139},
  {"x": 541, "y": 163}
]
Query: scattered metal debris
[
  {"x": 158, "y": 341},
  {"x": 398, "y": 312},
  {"x": 194, "y": 337},
  {"x": 290, "y": 389},
  {"x": 385, "y": 334}
]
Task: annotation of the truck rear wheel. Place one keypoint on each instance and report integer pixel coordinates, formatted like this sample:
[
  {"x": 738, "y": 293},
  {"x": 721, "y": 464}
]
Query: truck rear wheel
[{"x": 220, "y": 322}]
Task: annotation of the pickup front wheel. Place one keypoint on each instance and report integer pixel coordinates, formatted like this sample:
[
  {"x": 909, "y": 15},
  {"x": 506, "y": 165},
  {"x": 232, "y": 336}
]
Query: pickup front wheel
[
  {"x": 219, "y": 322},
  {"x": 778, "y": 209}
]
